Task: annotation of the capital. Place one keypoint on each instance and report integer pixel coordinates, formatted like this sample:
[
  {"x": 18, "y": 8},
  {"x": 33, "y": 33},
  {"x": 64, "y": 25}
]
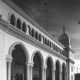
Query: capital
[
  {"x": 29, "y": 64},
  {"x": 54, "y": 69},
  {"x": 44, "y": 67},
  {"x": 9, "y": 59}
]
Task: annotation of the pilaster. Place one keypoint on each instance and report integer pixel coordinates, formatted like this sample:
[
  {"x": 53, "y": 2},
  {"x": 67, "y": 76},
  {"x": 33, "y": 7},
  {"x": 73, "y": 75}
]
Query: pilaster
[
  {"x": 29, "y": 66},
  {"x": 9, "y": 61},
  {"x": 44, "y": 72},
  {"x": 53, "y": 73},
  {"x": 60, "y": 74}
]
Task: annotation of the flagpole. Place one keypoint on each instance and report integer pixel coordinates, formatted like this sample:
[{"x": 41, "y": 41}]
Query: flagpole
[
  {"x": 47, "y": 24},
  {"x": 47, "y": 16}
]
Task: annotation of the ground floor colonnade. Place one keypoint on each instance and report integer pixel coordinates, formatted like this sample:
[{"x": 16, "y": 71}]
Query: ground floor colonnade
[{"x": 20, "y": 68}]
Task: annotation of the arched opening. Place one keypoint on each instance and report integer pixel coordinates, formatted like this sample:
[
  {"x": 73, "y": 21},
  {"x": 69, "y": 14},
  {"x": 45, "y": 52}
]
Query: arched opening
[
  {"x": 36, "y": 35},
  {"x": 63, "y": 71},
  {"x": 24, "y": 27},
  {"x": 57, "y": 72},
  {"x": 40, "y": 37},
  {"x": 18, "y": 23},
  {"x": 49, "y": 70},
  {"x": 29, "y": 30},
  {"x": 37, "y": 71},
  {"x": 18, "y": 65},
  {"x": 48, "y": 43},
  {"x": 12, "y": 19},
  {"x": 33, "y": 33}
]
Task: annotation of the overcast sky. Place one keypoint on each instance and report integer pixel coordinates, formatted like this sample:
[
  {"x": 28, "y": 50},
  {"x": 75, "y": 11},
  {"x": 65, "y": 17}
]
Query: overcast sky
[{"x": 60, "y": 13}]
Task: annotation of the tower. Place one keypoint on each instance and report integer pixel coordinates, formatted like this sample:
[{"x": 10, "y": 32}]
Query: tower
[{"x": 68, "y": 53}]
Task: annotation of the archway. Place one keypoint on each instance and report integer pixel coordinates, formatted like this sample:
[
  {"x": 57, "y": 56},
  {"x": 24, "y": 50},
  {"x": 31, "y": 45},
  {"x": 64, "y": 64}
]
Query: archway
[
  {"x": 63, "y": 71},
  {"x": 37, "y": 71},
  {"x": 57, "y": 72},
  {"x": 49, "y": 69},
  {"x": 18, "y": 65}
]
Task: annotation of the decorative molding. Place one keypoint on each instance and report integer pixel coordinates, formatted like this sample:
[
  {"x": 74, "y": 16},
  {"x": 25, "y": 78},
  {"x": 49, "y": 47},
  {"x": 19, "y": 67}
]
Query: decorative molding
[
  {"x": 23, "y": 36},
  {"x": 8, "y": 58},
  {"x": 70, "y": 60}
]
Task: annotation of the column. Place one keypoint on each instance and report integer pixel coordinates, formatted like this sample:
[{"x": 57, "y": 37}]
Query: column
[
  {"x": 61, "y": 74},
  {"x": 9, "y": 61},
  {"x": 53, "y": 73},
  {"x": 27, "y": 32},
  {"x": 44, "y": 72},
  {"x": 29, "y": 66}
]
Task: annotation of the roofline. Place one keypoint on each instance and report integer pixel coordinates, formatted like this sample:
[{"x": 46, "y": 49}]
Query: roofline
[{"x": 71, "y": 50}]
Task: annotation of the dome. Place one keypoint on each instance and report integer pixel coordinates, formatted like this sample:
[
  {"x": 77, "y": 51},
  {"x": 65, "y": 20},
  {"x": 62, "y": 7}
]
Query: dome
[{"x": 64, "y": 36}]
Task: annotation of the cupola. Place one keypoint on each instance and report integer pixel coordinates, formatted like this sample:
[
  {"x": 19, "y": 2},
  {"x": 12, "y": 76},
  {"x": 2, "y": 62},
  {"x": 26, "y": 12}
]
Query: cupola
[{"x": 64, "y": 39}]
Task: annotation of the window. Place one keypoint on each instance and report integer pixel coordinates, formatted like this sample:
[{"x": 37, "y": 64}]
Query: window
[
  {"x": 12, "y": 19},
  {"x": 24, "y": 27},
  {"x": 45, "y": 41},
  {"x": 18, "y": 23},
  {"x": 40, "y": 37},
  {"x": 36, "y": 35},
  {"x": 54, "y": 46},
  {"x": 48, "y": 43},
  {"x": 33, "y": 33},
  {"x": 29, "y": 30}
]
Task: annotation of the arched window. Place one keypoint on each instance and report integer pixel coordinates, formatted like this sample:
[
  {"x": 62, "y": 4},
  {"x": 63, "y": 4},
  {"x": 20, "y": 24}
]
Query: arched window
[
  {"x": 48, "y": 43},
  {"x": 29, "y": 30},
  {"x": 36, "y": 35},
  {"x": 12, "y": 19},
  {"x": 54, "y": 46},
  {"x": 33, "y": 33},
  {"x": 40, "y": 37},
  {"x": 45, "y": 41},
  {"x": 24, "y": 27},
  {"x": 18, "y": 23}
]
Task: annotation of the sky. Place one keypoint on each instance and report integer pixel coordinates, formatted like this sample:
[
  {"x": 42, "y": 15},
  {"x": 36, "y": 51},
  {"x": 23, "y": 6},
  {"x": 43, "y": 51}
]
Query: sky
[{"x": 54, "y": 15}]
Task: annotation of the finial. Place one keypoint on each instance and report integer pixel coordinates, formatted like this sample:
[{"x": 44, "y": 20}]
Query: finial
[{"x": 63, "y": 29}]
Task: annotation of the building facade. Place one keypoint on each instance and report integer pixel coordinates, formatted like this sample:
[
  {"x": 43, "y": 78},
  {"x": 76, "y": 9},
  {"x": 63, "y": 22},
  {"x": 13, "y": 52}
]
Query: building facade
[{"x": 28, "y": 52}]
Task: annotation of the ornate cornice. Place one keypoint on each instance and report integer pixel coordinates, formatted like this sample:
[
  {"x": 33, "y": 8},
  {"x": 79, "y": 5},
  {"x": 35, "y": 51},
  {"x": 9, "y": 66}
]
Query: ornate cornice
[
  {"x": 8, "y": 28},
  {"x": 70, "y": 60},
  {"x": 71, "y": 50}
]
